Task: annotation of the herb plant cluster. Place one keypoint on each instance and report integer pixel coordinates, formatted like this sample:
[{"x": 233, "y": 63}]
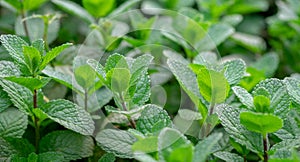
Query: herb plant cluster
[{"x": 151, "y": 81}]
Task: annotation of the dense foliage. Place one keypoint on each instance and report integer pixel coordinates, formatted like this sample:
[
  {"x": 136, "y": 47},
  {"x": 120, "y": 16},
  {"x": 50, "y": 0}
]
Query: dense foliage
[{"x": 149, "y": 80}]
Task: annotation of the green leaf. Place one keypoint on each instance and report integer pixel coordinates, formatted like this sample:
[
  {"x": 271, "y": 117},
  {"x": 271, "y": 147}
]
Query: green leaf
[
  {"x": 118, "y": 142},
  {"x": 32, "y": 58},
  {"x": 231, "y": 122},
  {"x": 17, "y": 146},
  {"x": 235, "y": 70},
  {"x": 20, "y": 96},
  {"x": 280, "y": 100},
  {"x": 52, "y": 54},
  {"x": 74, "y": 9},
  {"x": 204, "y": 148},
  {"x": 8, "y": 68},
  {"x": 123, "y": 7},
  {"x": 139, "y": 89},
  {"x": 4, "y": 100},
  {"x": 262, "y": 104},
  {"x": 99, "y": 8},
  {"x": 85, "y": 76},
  {"x": 39, "y": 45},
  {"x": 168, "y": 140},
  {"x": 141, "y": 62},
  {"x": 228, "y": 156},
  {"x": 261, "y": 123},
  {"x": 293, "y": 88},
  {"x": 99, "y": 69},
  {"x": 253, "y": 78},
  {"x": 140, "y": 156},
  {"x": 29, "y": 82},
  {"x": 182, "y": 154},
  {"x": 268, "y": 63},
  {"x": 32, "y": 4},
  {"x": 16, "y": 4},
  {"x": 290, "y": 129},
  {"x": 153, "y": 119},
  {"x": 251, "y": 42},
  {"x": 244, "y": 97},
  {"x": 69, "y": 115},
  {"x": 13, "y": 123},
  {"x": 14, "y": 45},
  {"x": 51, "y": 156},
  {"x": 120, "y": 78},
  {"x": 71, "y": 145},
  {"x": 115, "y": 61},
  {"x": 188, "y": 81},
  {"x": 64, "y": 79},
  {"x": 213, "y": 85},
  {"x": 146, "y": 145},
  {"x": 108, "y": 157}
]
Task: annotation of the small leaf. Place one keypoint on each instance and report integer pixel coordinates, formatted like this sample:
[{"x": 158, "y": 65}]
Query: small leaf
[
  {"x": 261, "y": 123},
  {"x": 234, "y": 71},
  {"x": 115, "y": 61},
  {"x": 293, "y": 87},
  {"x": 74, "y": 9},
  {"x": 204, "y": 147},
  {"x": 98, "y": 8},
  {"x": 262, "y": 104},
  {"x": 13, "y": 123},
  {"x": 69, "y": 115},
  {"x": 52, "y": 54},
  {"x": 71, "y": 145},
  {"x": 182, "y": 154},
  {"x": 153, "y": 119},
  {"x": 146, "y": 145},
  {"x": 141, "y": 62},
  {"x": 245, "y": 97},
  {"x": 168, "y": 140},
  {"x": 29, "y": 82},
  {"x": 39, "y": 45},
  {"x": 118, "y": 142},
  {"x": 253, "y": 43},
  {"x": 32, "y": 58},
  {"x": 120, "y": 78},
  {"x": 85, "y": 76},
  {"x": 139, "y": 89},
  {"x": 213, "y": 85}
]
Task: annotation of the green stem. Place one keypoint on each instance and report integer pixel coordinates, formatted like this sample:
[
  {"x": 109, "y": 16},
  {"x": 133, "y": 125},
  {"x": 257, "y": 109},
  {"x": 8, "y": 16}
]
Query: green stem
[
  {"x": 265, "y": 142},
  {"x": 45, "y": 35},
  {"x": 36, "y": 121},
  {"x": 132, "y": 122},
  {"x": 24, "y": 23}
]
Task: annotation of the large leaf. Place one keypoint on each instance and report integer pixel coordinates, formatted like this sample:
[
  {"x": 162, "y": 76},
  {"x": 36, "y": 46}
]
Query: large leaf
[
  {"x": 228, "y": 156},
  {"x": 118, "y": 142},
  {"x": 52, "y": 54},
  {"x": 120, "y": 78},
  {"x": 139, "y": 89},
  {"x": 17, "y": 146},
  {"x": 13, "y": 123},
  {"x": 231, "y": 122},
  {"x": 33, "y": 157},
  {"x": 279, "y": 97},
  {"x": 4, "y": 100},
  {"x": 212, "y": 84},
  {"x": 293, "y": 87},
  {"x": 290, "y": 129},
  {"x": 153, "y": 119},
  {"x": 260, "y": 123},
  {"x": 244, "y": 97},
  {"x": 62, "y": 78},
  {"x": 234, "y": 71},
  {"x": 70, "y": 116},
  {"x": 8, "y": 68},
  {"x": 253, "y": 43},
  {"x": 32, "y": 4},
  {"x": 32, "y": 58},
  {"x": 14, "y": 45},
  {"x": 74, "y": 9},
  {"x": 71, "y": 145},
  {"x": 29, "y": 82},
  {"x": 20, "y": 96},
  {"x": 204, "y": 147},
  {"x": 85, "y": 76}
]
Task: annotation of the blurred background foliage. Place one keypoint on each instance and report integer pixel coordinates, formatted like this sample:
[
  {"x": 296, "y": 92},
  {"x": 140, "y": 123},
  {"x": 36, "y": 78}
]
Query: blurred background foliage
[{"x": 264, "y": 33}]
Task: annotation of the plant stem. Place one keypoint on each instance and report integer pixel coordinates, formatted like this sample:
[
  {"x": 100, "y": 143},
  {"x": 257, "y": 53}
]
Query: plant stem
[
  {"x": 265, "y": 141},
  {"x": 131, "y": 121},
  {"x": 45, "y": 35},
  {"x": 36, "y": 121},
  {"x": 24, "y": 21},
  {"x": 85, "y": 100},
  {"x": 211, "y": 108}
]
